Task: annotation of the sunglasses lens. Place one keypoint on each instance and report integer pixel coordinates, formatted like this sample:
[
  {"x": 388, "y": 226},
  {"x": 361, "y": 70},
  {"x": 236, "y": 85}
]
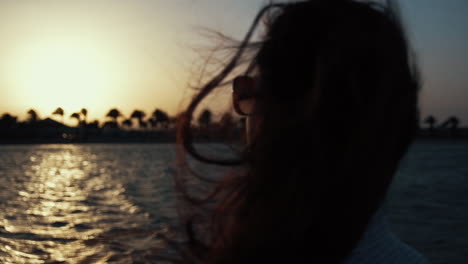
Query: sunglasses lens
[
  {"x": 244, "y": 99},
  {"x": 246, "y": 106}
]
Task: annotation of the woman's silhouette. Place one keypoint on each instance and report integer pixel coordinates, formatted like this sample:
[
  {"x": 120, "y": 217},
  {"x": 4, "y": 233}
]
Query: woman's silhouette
[{"x": 331, "y": 100}]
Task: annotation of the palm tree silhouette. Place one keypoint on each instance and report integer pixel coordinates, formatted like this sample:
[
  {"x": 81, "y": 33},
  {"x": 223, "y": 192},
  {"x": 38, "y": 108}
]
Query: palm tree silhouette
[
  {"x": 160, "y": 117},
  {"x": 139, "y": 115},
  {"x": 7, "y": 120},
  {"x": 77, "y": 117},
  {"x": 226, "y": 120},
  {"x": 431, "y": 121},
  {"x": 114, "y": 113},
  {"x": 33, "y": 116},
  {"x": 59, "y": 111},
  {"x": 452, "y": 124},
  {"x": 153, "y": 123},
  {"x": 94, "y": 124},
  {"x": 84, "y": 112},
  {"x": 110, "y": 124},
  {"x": 204, "y": 120},
  {"x": 143, "y": 124},
  {"x": 127, "y": 123}
]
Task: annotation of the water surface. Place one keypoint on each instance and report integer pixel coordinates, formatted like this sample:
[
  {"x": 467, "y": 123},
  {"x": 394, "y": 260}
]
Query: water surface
[{"x": 109, "y": 203}]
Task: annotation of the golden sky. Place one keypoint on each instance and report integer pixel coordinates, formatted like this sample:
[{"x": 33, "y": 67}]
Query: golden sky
[
  {"x": 140, "y": 54},
  {"x": 94, "y": 54}
]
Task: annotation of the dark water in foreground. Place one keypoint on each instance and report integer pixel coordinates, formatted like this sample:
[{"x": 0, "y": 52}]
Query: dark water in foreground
[
  {"x": 428, "y": 202},
  {"x": 109, "y": 203}
]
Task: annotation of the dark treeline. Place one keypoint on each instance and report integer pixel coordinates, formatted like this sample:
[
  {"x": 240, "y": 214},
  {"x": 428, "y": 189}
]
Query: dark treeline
[
  {"x": 158, "y": 126},
  {"x": 448, "y": 128},
  {"x": 139, "y": 126}
]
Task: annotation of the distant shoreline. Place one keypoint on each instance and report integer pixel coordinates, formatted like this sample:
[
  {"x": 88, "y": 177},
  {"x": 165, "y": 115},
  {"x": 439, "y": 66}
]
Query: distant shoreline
[
  {"x": 172, "y": 140},
  {"x": 54, "y": 141},
  {"x": 49, "y": 131}
]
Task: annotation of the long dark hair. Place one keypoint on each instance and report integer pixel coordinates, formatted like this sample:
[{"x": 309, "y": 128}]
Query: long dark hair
[{"x": 338, "y": 107}]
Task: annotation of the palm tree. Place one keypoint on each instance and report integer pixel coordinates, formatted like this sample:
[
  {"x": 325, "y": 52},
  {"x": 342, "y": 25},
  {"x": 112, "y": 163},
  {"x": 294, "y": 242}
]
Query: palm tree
[
  {"x": 454, "y": 122},
  {"x": 59, "y": 111},
  {"x": 204, "y": 120},
  {"x": 226, "y": 120},
  {"x": 153, "y": 123},
  {"x": 77, "y": 117},
  {"x": 453, "y": 125},
  {"x": 143, "y": 124},
  {"x": 84, "y": 112},
  {"x": 160, "y": 117},
  {"x": 94, "y": 124},
  {"x": 138, "y": 115},
  {"x": 33, "y": 116},
  {"x": 7, "y": 120},
  {"x": 431, "y": 121},
  {"x": 110, "y": 124},
  {"x": 114, "y": 113},
  {"x": 127, "y": 123}
]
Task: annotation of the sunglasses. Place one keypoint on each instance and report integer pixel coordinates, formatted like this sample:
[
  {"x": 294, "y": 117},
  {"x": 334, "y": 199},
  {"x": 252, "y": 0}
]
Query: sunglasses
[{"x": 244, "y": 95}]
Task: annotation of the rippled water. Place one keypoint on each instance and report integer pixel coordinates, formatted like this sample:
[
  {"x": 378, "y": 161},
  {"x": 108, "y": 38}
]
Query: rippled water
[
  {"x": 109, "y": 203},
  {"x": 56, "y": 198}
]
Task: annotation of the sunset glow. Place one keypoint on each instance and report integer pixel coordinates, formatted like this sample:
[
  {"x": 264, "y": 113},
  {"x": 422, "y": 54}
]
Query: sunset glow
[
  {"x": 65, "y": 73},
  {"x": 141, "y": 54}
]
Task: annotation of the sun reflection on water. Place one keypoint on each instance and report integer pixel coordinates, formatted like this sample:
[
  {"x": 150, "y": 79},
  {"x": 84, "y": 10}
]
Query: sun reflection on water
[{"x": 62, "y": 199}]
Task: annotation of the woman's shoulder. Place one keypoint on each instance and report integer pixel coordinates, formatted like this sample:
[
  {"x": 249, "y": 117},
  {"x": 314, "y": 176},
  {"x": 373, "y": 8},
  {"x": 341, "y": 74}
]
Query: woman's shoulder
[{"x": 380, "y": 246}]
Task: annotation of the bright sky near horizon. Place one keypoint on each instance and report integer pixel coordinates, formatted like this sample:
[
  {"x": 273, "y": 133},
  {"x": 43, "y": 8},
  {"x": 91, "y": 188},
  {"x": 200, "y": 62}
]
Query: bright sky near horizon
[{"x": 140, "y": 54}]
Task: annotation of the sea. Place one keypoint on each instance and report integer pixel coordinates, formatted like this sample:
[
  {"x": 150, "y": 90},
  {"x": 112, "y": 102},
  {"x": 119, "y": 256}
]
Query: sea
[{"x": 115, "y": 203}]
